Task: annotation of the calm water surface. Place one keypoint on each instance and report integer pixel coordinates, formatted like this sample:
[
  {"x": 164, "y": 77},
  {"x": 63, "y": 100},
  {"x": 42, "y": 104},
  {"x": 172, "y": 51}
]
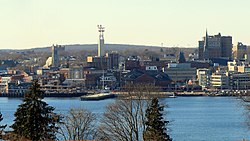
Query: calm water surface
[{"x": 191, "y": 118}]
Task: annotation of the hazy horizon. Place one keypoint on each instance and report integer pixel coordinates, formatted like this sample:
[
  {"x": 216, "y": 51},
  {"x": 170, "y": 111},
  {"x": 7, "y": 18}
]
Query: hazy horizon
[{"x": 41, "y": 23}]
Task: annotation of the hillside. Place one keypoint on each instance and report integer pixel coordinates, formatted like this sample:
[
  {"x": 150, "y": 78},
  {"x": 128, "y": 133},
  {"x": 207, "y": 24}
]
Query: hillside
[
  {"x": 123, "y": 49},
  {"x": 113, "y": 47}
]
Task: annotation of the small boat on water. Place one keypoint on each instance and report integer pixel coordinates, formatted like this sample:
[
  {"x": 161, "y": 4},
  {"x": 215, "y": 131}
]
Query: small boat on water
[
  {"x": 98, "y": 96},
  {"x": 104, "y": 93},
  {"x": 173, "y": 96}
]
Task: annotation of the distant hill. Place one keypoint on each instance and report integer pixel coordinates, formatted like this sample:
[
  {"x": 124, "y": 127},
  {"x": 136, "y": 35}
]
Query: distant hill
[
  {"x": 113, "y": 47},
  {"x": 109, "y": 47}
]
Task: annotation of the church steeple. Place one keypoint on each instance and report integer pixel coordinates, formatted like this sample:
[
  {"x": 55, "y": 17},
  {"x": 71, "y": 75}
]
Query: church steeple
[
  {"x": 206, "y": 39},
  {"x": 206, "y": 55}
]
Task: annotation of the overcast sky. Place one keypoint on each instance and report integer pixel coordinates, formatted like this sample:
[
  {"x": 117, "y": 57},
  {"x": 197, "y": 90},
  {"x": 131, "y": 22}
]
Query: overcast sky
[{"x": 38, "y": 23}]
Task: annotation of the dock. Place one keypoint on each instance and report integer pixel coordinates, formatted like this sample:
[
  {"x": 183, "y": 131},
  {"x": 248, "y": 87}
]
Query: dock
[{"x": 167, "y": 94}]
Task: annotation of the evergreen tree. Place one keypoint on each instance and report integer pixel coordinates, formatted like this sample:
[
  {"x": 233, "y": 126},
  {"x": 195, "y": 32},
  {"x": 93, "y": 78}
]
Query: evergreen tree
[
  {"x": 155, "y": 124},
  {"x": 1, "y": 127},
  {"x": 34, "y": 119}
]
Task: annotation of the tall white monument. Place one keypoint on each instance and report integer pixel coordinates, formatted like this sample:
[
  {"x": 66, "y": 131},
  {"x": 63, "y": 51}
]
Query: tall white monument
[{"x": 101, "y": 46}]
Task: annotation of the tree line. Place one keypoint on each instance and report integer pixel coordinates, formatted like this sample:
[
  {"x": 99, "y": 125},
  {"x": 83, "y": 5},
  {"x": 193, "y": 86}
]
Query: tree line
[{"x": 136, "y": 116}]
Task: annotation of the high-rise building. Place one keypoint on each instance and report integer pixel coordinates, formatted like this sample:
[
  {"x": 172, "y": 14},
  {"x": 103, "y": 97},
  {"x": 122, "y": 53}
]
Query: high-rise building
[
  {"x": 226, "y": 46},
  {"x": 239, "y": 51},
  {"x": 55, "y": 59},
  {"x": 101, "y": 45},
  {"x": 210, "y": 47},
  {"x": 113, "y": 60},
  {"x": 215, "y": 46}
]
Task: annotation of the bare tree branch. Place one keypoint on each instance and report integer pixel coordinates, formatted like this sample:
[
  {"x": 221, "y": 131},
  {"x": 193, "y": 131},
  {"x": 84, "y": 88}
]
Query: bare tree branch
[
  {"x": 124, "y": 120},
  {"x": 78, "y": 124}
]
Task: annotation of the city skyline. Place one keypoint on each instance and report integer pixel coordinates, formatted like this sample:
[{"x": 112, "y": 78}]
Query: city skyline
[{"x": 30, "y": 23}]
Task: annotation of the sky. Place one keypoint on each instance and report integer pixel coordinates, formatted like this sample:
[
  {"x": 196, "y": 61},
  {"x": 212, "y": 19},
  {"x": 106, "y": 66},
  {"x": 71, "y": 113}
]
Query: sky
[{"x": 180, "y": 23}]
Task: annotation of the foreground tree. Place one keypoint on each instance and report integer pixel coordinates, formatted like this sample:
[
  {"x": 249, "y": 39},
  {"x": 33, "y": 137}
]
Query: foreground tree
[
  {"x": 124, "y": 120},
  {"x": 78, "y": 124},
  {"x": 2, "y": 127},
  {"x": 34, "y": 119},
  {"x": 155, "y": 124}
]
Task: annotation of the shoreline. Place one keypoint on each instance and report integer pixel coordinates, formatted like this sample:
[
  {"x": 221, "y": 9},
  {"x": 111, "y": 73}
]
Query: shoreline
[
  {"x": 16, "y": 95},
  {"x": 160, "y": 94}
]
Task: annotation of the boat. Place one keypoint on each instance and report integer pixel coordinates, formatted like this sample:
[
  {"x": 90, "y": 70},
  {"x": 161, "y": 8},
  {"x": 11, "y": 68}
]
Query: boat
[
  {"x": 98, "y": 96},
  {"x": 104, "y": 93},
  {"x": 172, "y": 96}
]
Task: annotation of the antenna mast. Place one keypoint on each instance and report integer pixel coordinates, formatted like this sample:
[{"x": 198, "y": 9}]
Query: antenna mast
[{"x": 101, "y": 45}]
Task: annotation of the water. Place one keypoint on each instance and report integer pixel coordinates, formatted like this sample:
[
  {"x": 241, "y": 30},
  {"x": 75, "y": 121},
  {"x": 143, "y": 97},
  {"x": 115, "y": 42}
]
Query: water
[
  {"x": 191, "y": 118},
  {"x": 207, "y": 119}
]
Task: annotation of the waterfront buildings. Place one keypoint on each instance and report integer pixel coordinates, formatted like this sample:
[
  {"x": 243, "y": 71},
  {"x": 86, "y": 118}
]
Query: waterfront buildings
[
  {"x": 18, "y": 87},
  {"x": 239, "y": 81},
  {"x": 168, "y": 70},
  {"x": 232, "y": 66},
  {"x": 15, "y": 82},
  {"x": 180, "y": 72},
  {"x": 4, "y": 79},
  {"x": 203, "y": 77},
  {"x": 219, "y": 80},
  {"x": 153, "y": 77},
  {"x": 76, "y": 72},
  {"x": 244, "y": 69}
]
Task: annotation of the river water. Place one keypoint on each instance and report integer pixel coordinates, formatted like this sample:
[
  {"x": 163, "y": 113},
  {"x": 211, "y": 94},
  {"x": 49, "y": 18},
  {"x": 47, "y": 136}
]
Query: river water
[{"x": 191, "y": 118}]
